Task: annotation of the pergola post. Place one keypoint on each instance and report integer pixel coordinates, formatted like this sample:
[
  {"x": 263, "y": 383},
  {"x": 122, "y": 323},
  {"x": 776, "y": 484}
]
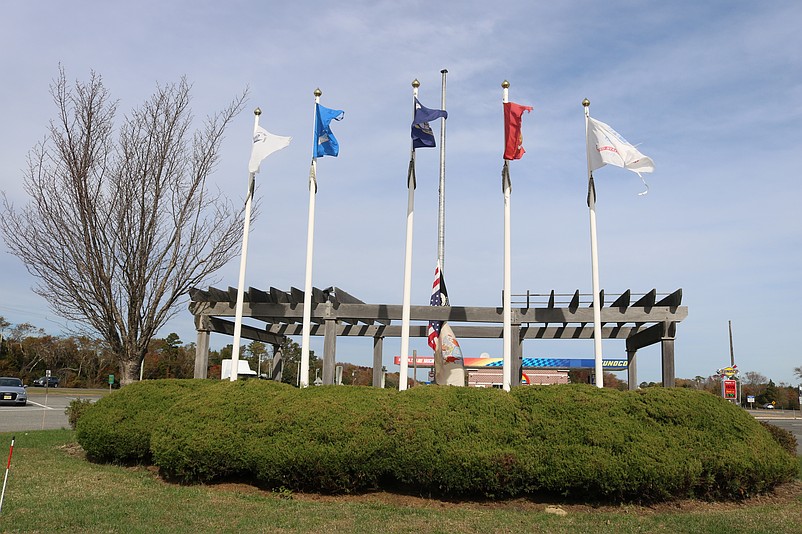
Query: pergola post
[
  {"x": 667, "y": 353},
  {"x": 378, "y": 344},
  {"x": 632, "y": 370},
  {"x": 277, "y": 367},
  {"x": 329, "y": 347},
  {"x": 202, "y": 354},
  {"x": 202, "y": 327},
  {"x": 517, "y": 355}
]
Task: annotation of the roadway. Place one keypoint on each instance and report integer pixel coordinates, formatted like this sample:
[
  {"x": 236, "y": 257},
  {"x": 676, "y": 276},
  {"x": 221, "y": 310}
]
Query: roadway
[
  {"x": 45, "y": 409},
  {"x": 790, "y": 420}
]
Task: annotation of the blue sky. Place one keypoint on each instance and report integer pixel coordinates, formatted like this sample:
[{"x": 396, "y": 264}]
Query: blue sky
[{"x": 711, "y": 91}]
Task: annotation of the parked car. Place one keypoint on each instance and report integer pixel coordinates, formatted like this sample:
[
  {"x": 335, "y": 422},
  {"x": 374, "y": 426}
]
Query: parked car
[
  {"x": 12, "y": 391},
  {"x": 768, "y": 406},
  {"x": 46, "y": 381}
]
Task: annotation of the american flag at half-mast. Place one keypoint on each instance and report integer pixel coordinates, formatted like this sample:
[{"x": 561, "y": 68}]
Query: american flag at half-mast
[
  {"x": 439, "y": 298},
  {"x": 449, "y": 368}
]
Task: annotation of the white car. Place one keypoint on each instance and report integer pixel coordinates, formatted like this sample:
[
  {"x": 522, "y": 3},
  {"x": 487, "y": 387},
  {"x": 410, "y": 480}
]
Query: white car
[{"x": 12, "y": 391}]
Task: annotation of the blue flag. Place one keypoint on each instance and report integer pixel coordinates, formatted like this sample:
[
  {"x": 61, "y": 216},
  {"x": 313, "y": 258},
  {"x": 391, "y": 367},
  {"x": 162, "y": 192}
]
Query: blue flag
[
  {"x": 324, "y": 143},
  {"x": 422, "y": 136}
]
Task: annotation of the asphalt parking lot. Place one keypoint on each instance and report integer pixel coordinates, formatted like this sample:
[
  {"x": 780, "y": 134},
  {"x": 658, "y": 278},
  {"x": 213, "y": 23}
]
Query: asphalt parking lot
[{"x": 45, "y": 409}]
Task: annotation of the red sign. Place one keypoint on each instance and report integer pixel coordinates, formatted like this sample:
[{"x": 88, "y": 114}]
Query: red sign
[
  {"x": 420, "y": 361},
  {"x": 730, "y": 389}
]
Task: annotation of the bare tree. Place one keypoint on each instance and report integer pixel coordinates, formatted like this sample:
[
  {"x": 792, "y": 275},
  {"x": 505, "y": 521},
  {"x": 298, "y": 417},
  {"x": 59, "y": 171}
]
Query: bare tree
[
  {"x": 798, "y": 371},
  {"x": 754, "y": 378},
  {"x": 120, "y": 226},
  {"x": 753, "y": 383}
]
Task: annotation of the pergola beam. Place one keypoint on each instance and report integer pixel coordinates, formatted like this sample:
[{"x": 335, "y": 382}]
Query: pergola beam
[
  {"x": 461, "y": 332},
  {"x": 222, "y": 326},
  {"x": 458, "y": 314}
]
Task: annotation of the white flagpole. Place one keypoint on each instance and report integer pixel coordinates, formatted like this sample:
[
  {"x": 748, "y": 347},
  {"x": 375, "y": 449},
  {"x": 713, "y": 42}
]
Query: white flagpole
[
  {"x": 303, "y": 380},
  {"x": 242, "y": 264},
  {"x": 403, "y": 371},
  {"x": 506, "y": 380},
  {"x": 594, "y": 260},
  {"x": 441, "y": 222}
]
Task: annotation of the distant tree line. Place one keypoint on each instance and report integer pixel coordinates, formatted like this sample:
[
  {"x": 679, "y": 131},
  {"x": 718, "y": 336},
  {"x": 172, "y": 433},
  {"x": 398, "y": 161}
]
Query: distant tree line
[
  {"x": 27, "y": 352},
  {"x": 782, "y": 395}
]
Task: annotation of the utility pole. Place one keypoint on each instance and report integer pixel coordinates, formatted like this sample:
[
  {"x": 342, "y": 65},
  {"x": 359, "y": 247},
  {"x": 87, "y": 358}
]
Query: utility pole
[{"x": 732, "y": 354}]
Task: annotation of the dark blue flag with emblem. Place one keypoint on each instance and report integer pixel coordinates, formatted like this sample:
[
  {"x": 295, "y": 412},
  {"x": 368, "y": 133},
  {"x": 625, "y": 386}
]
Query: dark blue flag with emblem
[{"x": 422, "y": 136}]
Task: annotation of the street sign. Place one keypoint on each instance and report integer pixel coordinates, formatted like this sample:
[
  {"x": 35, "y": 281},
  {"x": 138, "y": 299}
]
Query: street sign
[{"x": 111, "y": 379}]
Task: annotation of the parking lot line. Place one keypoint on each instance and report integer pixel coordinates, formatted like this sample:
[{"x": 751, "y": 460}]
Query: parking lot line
[{"x": 40, "y": 405}]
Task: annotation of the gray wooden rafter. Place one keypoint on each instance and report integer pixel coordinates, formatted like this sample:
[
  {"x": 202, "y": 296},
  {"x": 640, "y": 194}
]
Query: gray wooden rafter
[{"x": 282, "y": 311}]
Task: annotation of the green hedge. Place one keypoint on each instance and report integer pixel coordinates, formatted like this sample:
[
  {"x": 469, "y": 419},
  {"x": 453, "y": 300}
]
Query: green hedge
[
  {"x": 782, "y": 436},
  {"x": 118, "y": 427},
  {"x": 575, "y": 441},
  {"x": 653, "y": 444},
  {"x": 276, "y": 435}
]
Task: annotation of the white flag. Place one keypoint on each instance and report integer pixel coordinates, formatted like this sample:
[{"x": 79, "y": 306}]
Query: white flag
[
  {"x": 605, "y": 145},
  {"x": 449, "y": 368},
  {"x": 264, "y": 144}
]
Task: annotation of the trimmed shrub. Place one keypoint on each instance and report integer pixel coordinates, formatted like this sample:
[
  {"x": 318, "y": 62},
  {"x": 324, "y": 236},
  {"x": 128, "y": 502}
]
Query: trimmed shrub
[
  {"x": 75, "y": 409},
  {"x": 649, "y": 445},
  {"x": 575, "y": 441},
  {"x": 330, "y": 439},
  {"x": 117, "y": 428},
  {"x": 457, "y": 441},
  {"x": 784, "y": 437}
]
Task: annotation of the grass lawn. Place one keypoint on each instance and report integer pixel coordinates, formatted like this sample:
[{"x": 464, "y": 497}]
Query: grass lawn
[{"x": 52, "y": 488}]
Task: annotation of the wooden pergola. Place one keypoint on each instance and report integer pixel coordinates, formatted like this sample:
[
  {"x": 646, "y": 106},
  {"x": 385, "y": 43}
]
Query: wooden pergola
[{"x": 335, "y": 313}]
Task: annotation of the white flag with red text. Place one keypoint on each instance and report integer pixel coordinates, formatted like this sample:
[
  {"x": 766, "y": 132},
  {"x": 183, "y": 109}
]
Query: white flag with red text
[{"x": 605, "y": 145}]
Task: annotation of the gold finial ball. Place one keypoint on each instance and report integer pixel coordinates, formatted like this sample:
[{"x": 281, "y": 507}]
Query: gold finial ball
[
  {"x": 586, "y": 102},
  {"x": 318, "y": 92},
  {"x": 257, "y": 111},
  {"x": 415, "y": 83},
  {"x": 505, "y": 84}
]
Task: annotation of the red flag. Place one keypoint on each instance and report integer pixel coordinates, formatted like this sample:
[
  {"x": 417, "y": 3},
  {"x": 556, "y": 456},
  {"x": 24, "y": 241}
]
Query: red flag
[{"x": 513, "y": 140}]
